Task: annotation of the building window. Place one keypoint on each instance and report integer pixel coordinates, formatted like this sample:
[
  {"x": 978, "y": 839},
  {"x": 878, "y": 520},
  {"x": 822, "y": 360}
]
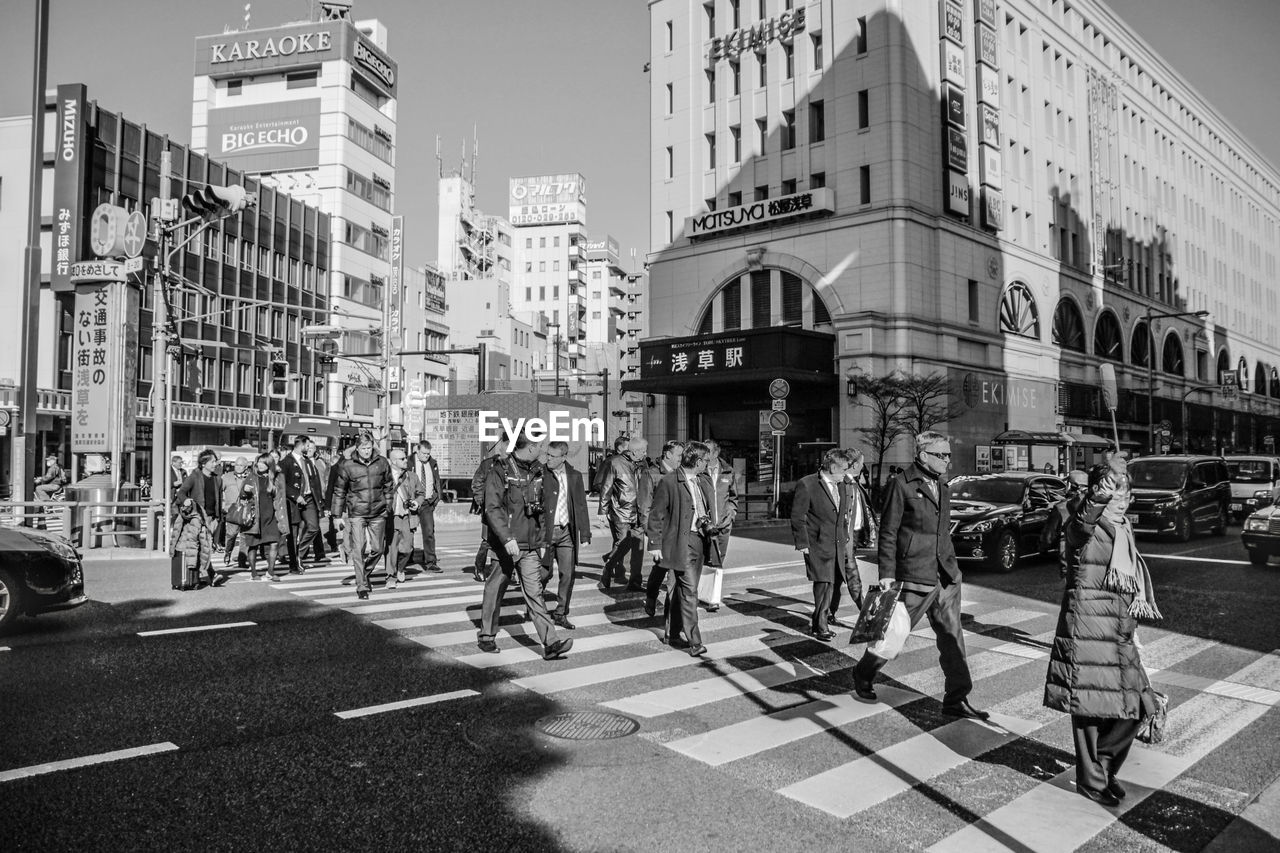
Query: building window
[
  {"x": 235, "y": 87},
  {"x": 671, "y": 227},
  {"x": 710, "y": 10},
  {"x": 761, "y": 299},
  {"x": 816, "y": 40},
  {"x": 301, "y": 79},
  {"x": 736, "y": 133},
  {"x": 735, "y": 14},
  {"x": 671, "y": 162},
  {"x": 735, "y": 198},
  {"x": 671, "y": 36},
  {"x": 711, "y": 85},
  {"x": 528, "y": 242},
  {"x": 732, "y": 305},
  {"x": 789, "y": 186},
  {"x": 1107, "y": 337},
  {"x": 555, "y": 292},
  {"x": 788, "y": 62},
  {"x": 817, "y": 121},
  {"x": 817, "y": 180},
  {"x": 762, "y": 133},
  {"x": 555, "y": 242},
  {"x": 1068, "y": 326},
  {"x": 788, "y": 129},
  {"x": 528, "y": 294},
  {"x": 762, "y": 63},
  {"x": 1018, "y": 314},
  {"x": 864, "y": 109},
  {"x": 542, "y": 293},
  {"x": 974, "y": 315},
  {"x": 735, "y": 74},
  {"x": 860, "y": 39},
  {"x": 377, "y": 142},
  {"x": 671, "y": 99},
  {"x": 864, "y": 184},
  {"x": 792, "y": 299},
  {"x": 542, "y": 242},
  {"x": 762, "y": 193},
  {"x": 709, "y": 204},
  {"x": 555, "y": 266},
  {"x": 542, "y": 266},
  {"x": 528, "y": 266},
  {"x": 711, "y": 150}
]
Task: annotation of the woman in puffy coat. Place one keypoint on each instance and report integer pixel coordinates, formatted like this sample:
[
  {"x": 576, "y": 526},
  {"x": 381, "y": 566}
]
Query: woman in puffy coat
[
  {"x": 263, "y": 511},
  {"x": 1095, "y": 673}
]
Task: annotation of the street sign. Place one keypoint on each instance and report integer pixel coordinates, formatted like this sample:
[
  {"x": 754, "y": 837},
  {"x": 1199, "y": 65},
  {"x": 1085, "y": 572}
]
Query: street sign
[
  {"x": 132, "y": 265},
  {"x": 779, "y": 421},
  {"x": 1166, "y": 425},
  {"x": 135, "y": 234},
  {"x": 779, "y": 405},
  {"x": 779, "y": 388},
  {"x": 5, "y": 417},
  {"x": 779, "y": 432},
  {"x": 107, "y": 227},
  {"x": 1228, "y": 390},
  {"x": 88, "y": 271}
]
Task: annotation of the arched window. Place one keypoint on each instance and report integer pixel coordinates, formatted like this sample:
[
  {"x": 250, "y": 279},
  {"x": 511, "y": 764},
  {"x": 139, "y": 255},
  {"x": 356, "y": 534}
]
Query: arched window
[
  {"x": 1068, "y": 326},
  {"x": 1018, "y": 312},
  {"x": 1260, "y": 379},
  {"x": 1224, "y": 364},
  {"x": 763, "y": 289},
  {"x": 1172, "y": 358},
  {"x": 1242, "y": 373},
  {"x": 1108, "y": 340},
  {"x": 1140, "y": 346}
]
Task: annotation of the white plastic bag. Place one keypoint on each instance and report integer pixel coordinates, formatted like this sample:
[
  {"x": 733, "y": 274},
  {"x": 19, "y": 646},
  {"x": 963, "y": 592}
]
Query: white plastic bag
[
  {"x": 711, "y": 587},
  {"x": 895, "y": 635}
]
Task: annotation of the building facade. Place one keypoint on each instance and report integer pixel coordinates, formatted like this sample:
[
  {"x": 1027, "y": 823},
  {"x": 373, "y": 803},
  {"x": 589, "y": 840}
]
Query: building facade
[
  {"x": 1000, "y": 197},
  {"x": 246, "y": 285},
  {"x": 309, "y": 108}
]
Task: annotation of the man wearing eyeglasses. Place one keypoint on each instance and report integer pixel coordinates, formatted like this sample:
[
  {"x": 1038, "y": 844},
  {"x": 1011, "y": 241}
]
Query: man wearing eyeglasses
[{"x": 915, "y": 551}]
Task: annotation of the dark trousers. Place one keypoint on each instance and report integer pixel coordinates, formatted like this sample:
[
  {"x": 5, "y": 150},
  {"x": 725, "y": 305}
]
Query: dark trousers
[
  {"x": 305, "y": 528},
  {"x": 626, "y": 540},
  {"x": 529, "y": 566},
  {"x": 1102, "y": 745},
  {"x": 680, "y": 610},
  {"x": 400, "y": 548},
  {"x": 657, "y": 574},
  {"x": 942, "y": 605},
  {"x": 561, "y": 559},
  {"x": 826, "y": 597},
  {"x": 427, "y": 524}
]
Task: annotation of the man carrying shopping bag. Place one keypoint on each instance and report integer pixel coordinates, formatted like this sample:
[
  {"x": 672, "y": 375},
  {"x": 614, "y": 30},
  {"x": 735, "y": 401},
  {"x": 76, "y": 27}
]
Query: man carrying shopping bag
[{"x": 915, "y": 552}]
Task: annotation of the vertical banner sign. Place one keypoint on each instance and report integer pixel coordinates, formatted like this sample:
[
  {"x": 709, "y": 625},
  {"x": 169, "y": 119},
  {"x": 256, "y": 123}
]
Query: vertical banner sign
[
  {"x": 395, "y": 305},
  {"x": 102, "y": 416},
  {"x": 955, "y": 143},
  {"x": 1102, "y": 102},
  {"x": 128, "y": 391},
  {"x": 764, "y": 464},
  {"x": 69, "y": 159}
]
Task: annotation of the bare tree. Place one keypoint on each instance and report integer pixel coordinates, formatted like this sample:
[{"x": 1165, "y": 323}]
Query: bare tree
[
  {"x": 928, "y": 401},
  {"x": 884, "y": 397}
]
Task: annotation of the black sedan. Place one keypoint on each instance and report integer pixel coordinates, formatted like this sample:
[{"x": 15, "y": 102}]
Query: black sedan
[
  {"x": 39, "y": 573},
  {"x": 1261, "y": 535},
  {"x": 996, "y": 518}
]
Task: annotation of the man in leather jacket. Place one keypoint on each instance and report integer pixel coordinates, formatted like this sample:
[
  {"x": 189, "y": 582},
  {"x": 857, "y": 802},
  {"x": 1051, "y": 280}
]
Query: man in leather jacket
[{"x": 619, "y": 500}]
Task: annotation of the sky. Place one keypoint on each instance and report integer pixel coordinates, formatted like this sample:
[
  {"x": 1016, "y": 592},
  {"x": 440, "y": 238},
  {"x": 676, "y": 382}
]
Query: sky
[{"x": 549, "y": 85}]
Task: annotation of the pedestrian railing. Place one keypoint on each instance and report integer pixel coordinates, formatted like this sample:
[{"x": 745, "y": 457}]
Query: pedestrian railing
[{"x": 98, "y": 524}]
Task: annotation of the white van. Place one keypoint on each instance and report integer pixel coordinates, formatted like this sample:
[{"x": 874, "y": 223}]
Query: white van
[{"x": 1255, "y": 483}]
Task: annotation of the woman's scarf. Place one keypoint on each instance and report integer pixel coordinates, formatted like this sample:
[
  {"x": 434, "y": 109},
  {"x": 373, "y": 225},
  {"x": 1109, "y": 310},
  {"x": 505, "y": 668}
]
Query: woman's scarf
[{"x": 1126, "y": 571}]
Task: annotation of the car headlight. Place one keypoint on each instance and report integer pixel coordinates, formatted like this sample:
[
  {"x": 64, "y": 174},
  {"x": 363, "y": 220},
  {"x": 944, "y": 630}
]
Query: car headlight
[
  {"x": 61, "y": 549},
  {"x": 1172, "y": 503},
  {"x": 978, "y": 526},
  {"x": 1262, "y": 493},
  {"x": 1255, "y": 523}
]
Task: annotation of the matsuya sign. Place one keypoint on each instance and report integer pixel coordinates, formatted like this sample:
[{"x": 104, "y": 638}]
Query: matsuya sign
[{"x": 760, "y": 212}]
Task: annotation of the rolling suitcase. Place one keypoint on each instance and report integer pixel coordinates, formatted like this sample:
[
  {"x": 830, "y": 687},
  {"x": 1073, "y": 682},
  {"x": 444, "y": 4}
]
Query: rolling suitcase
[{"x": 183, "y": 575}]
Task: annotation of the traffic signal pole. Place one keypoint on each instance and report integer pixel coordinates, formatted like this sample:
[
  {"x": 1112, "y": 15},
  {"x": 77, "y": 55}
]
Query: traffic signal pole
[{"x": 160, "y": 360}]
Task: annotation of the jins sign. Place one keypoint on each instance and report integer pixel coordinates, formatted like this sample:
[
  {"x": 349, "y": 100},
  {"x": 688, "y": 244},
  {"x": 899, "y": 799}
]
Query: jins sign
[{"x": 781, "y": 28}]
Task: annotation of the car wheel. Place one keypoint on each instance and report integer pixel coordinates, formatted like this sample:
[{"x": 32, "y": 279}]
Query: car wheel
[
  {"x": 1005, "y": 555},
  {"x": 10, "y": 600},
  {"x": 1182, "y": 527},
  {"x": 1259, "y": 558},
  {"x": 1220, "y": 526}
]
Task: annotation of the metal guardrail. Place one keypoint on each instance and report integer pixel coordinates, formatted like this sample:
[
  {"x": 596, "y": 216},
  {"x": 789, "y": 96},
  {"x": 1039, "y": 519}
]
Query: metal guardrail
[{"x": 90, "y": 525}]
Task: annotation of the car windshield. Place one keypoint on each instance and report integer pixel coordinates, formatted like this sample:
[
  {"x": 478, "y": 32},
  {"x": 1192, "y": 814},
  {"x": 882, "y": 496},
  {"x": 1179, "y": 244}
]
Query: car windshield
[
  {"x": 1157, "y": 474},
  {"x": 989, "y": 491},
  {"x": 1250, "y": 471}
]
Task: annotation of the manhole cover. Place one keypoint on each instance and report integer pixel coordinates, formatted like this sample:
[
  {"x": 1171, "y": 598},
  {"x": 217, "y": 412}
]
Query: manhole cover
[{"x": 587, "y": 725}]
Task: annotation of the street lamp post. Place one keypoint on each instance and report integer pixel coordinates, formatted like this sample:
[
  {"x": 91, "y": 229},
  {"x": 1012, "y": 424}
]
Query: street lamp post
[
  {"x": 556, "y": 355},
  {"x": 1151, "y": 373},
  {"x": 1185, "y": 394}
]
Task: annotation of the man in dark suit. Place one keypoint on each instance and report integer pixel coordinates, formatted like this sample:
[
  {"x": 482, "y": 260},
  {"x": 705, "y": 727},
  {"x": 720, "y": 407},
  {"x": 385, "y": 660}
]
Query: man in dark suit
[
  {"x": 568, "y": 524},
  {"x": 406, "y": 501},
  {"x": 303, "y": 492},
  {"x": 820, "y": 531},
  {"x": 915, "y": 551},
  {"x": 681, "y": 511},
  {"x": 428, "y": 472},
  {"x": 665, "y": 464}
]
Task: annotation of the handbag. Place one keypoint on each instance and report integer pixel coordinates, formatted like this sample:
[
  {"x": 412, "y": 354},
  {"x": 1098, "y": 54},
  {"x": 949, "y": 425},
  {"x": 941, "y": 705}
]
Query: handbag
[
  {"x": 711, "y": 587},
  {"x": 1155, "y": 716},
  {"x": 242, "y": 513},
  {"x": 873, "y": 620},
  {"x": 895, "y": 634}
]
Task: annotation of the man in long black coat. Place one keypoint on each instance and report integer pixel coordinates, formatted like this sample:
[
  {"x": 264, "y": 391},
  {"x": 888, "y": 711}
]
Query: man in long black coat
[
  {"x": 820, "y": 531},
  {"x": 568, "y": 523},
  {"x": 680, "y": 500},
  {"x": 915, "y": 551}
]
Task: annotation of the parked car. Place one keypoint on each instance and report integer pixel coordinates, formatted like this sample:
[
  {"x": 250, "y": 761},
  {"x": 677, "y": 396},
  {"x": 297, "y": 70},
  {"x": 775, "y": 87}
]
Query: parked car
[
  {"x": 996, "y": 518},
  {"x": 39, "y": 572},
  {"x": 1179, "y": 495},
  {"x": 1255, "y": 483},
  {"x": 1261, "y": 535}
]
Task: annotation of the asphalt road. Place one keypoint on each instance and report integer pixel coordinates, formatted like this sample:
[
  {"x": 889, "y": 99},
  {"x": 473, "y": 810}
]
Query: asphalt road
[{"x": 759, "y": 747}]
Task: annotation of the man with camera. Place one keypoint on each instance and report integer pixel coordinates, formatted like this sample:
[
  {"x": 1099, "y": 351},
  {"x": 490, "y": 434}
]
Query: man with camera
[
  {"x": 513, "y": 511},
  {"x": 407, "y": 497},
  {"x": 568, "y": 524},
  {"x": 678, "y": 529}
]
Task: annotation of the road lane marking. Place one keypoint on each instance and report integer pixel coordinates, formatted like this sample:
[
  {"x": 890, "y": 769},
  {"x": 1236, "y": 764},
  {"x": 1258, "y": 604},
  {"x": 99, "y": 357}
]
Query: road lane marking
[
  {"x": 194, "y": 628},
  {"x": 86, "y": 761},
  {"x": 5, "y": 649},
  {"x": 1195, "y": 559},
  {"x": 524, "y": 654},
  {"x": 756, "y": 735},
  {"x": 361, "y": 606},
  {"x": 405, "y": 703}
]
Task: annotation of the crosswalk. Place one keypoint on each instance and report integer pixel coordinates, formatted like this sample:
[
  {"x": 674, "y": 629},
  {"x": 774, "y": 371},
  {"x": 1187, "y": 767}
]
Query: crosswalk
[{"x": 771, "y": 706}]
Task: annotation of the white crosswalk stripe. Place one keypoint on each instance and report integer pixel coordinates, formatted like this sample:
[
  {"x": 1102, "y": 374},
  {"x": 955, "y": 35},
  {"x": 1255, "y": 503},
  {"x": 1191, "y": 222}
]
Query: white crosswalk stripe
[{"x": 764, "y": 692}]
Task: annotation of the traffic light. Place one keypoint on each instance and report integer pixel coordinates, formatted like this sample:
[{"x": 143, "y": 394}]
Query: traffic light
[
  {"x": 211, "y": 202},
  {"x": 279, "y": 388}
]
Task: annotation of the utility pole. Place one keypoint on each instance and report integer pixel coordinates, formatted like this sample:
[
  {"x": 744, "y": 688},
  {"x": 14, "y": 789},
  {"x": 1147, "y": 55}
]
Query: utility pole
[
  {"x": 160, "y": 352},
  {"x": 24, "y": 447},
  {"x": 605, "y": 393}
]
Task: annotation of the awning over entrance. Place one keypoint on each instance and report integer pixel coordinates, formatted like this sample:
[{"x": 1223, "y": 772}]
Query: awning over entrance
[
  {"x": 690, "y": 364},
  {"x": 1060, "y": 439}
]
